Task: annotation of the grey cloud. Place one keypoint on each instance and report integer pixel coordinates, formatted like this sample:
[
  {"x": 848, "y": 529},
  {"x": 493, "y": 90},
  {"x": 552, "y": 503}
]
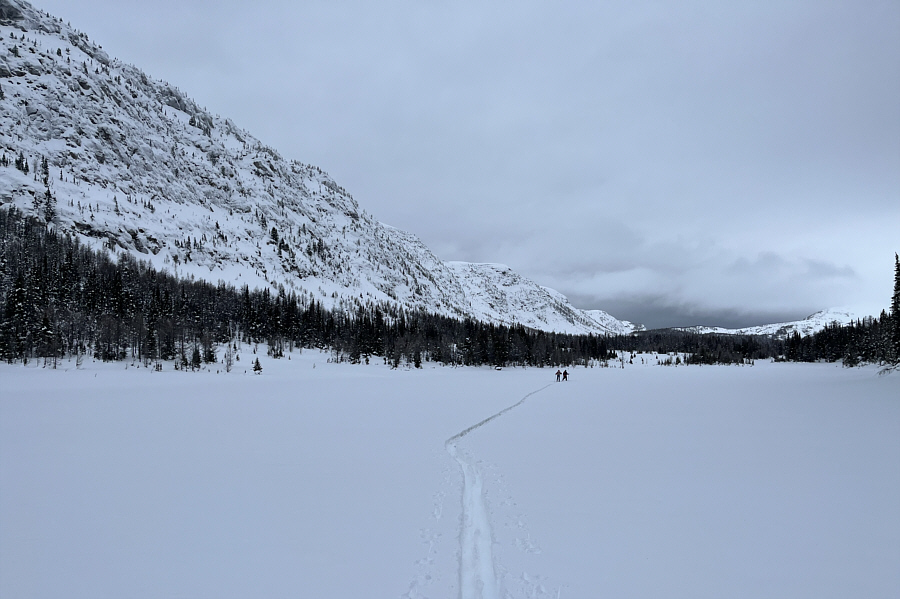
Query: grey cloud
[
  {"x": 770, "y": 264},
  {"x": 658, "y": 312},
  {"x": 734, "y": 158},
  {"x": 823, "y": 269}
]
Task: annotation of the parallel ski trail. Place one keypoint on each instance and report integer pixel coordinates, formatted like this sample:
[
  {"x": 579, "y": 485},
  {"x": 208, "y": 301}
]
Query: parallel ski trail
[{"x": 477, "y": 573}]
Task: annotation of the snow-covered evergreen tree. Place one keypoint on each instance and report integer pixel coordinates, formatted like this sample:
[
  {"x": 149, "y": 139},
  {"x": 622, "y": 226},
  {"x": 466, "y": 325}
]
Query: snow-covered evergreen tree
[{"x": 895, "y": 312}]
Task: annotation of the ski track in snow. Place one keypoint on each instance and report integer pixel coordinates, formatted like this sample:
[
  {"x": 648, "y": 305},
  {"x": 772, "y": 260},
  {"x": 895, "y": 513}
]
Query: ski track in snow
[
  {"x": 462, "y": 434},
  {"x": 477, "y": 571}
]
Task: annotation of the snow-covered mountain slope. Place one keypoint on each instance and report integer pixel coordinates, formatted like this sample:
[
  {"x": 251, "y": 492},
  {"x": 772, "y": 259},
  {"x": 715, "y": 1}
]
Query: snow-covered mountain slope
[
  {"x": 809, "y": 325},
  {"x": 497, "y": 293},
  {"x": 614, "y": 325},
  {"x": 101, "y": 150}
]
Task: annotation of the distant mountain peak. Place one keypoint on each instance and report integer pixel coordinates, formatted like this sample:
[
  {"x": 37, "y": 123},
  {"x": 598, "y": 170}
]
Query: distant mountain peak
[{"x": 808, "y": 326}]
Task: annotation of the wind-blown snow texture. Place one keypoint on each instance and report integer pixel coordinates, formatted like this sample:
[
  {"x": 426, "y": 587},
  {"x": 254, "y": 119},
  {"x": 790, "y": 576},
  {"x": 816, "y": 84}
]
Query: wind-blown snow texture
[{"x": 136, "y": 166}]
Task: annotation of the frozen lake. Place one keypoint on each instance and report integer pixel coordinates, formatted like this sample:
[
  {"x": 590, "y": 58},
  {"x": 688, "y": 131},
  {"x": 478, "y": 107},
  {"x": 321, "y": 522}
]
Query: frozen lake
[{"x": 326, "y": 480}]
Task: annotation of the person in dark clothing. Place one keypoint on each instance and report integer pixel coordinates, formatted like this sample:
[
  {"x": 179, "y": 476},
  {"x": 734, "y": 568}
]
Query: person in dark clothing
[
  {"x": 558, "y": 374},
  {"x": 565, "y": 375}
]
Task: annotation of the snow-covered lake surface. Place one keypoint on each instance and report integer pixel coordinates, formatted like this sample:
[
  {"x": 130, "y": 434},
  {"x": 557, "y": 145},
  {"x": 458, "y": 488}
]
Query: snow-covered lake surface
[{"x": 325, "y": 480}]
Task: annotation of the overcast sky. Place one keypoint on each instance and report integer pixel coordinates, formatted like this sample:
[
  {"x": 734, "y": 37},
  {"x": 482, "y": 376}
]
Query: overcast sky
[{"x": 672, "y": 163}]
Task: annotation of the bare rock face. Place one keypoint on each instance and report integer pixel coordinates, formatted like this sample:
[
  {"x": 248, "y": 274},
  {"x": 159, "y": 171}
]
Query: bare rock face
[{"x": 9, "y": 13}]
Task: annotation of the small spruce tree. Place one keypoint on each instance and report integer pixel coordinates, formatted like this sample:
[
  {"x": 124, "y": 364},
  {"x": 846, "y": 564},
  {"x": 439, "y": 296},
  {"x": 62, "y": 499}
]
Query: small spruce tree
[
  {"x": 49, "y": 206},
  {"x": 257, "y": 367}
]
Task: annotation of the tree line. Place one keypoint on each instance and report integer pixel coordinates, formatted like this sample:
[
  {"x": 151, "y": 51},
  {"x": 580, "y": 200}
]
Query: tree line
[
  {"x": 868, "y": 340},
  {"x": 60, "y": 298}
]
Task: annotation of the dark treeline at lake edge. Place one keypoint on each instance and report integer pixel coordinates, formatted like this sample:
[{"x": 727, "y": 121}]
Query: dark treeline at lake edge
[{"x": 60, "y": 298}]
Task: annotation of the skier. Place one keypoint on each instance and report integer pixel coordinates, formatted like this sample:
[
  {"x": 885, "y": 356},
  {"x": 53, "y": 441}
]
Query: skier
[
  {"x": 565, "y": 375},
  {"x": 558, "y": 374}
]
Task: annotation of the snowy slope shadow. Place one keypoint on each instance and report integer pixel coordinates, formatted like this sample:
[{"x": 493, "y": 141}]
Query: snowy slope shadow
[{"x": 477, "y": 571}]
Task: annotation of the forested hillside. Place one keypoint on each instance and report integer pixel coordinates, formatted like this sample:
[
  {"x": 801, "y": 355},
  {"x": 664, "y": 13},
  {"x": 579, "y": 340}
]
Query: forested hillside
[
  {"x": 121, "y": 160},
  {"x": 61, "y": 298}
]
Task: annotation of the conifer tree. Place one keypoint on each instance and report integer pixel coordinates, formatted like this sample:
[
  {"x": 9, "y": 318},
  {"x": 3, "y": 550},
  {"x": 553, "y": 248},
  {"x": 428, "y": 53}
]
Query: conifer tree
[
  {"x": 209, "y": 348},
  {"x": 257, "y": 367},
  {"x": 49, "y": 206},
  {"x": 895, "y": 312}
]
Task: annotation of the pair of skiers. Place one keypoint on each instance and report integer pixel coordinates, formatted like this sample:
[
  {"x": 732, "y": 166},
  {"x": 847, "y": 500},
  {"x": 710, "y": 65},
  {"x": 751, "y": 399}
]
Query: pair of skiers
[{"x": 564, "y": 374}]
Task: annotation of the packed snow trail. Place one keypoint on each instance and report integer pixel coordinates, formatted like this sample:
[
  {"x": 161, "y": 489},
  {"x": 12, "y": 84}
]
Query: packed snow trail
[
  {"x": 477, "y": 575},
  {"x": 462, "y": 434}
]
